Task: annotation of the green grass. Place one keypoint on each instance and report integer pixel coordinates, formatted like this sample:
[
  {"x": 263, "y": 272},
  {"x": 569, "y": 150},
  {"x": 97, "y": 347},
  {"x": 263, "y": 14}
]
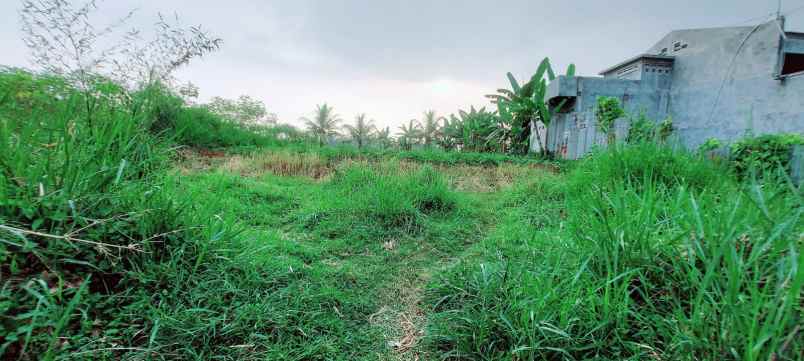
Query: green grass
[
  {"x": 375, "y": 202},
  {"x": 630, "y": 259},
  {"x": 435, "y": 156},
  {"x": 112, "y": 247}
]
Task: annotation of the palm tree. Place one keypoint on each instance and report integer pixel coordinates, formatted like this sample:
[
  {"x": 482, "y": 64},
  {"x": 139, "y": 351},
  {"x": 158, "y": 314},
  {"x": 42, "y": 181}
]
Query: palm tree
[
  {"x": 384, "y": 137},
  {"x": 324, "y": 123},
  {"x": 452, "y": 133},
  {"x": 410, "y": 134},
  {"x": 361, "y": 131},
  {"x": 431, "y": 129}
]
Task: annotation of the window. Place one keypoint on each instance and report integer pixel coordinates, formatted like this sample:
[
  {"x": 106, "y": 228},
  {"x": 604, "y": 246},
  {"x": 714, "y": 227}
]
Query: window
[
  {"x": 792, "y": 64},
  {"x": 679, "y": 45}
]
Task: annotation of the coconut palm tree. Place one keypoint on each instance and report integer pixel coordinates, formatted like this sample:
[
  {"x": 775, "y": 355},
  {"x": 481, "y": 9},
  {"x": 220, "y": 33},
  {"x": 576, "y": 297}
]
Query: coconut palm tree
[
  {"x": 384, "y": 137},
  {"x": 324, "y": 123},
  {"x": 410, "y": 134},
  {"x": 431, "y": 129},
  {"x": 361, "y": 131}
]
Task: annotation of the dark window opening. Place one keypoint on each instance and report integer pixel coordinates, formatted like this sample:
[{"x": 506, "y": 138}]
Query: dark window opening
[{"x": 793, "y": 63}]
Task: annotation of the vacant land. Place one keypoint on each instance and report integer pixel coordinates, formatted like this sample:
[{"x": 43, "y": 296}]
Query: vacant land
[
  {"x": 640, "y": 253},
  {"x": 358, "y": 241},
  {"x": 135, "y": 226}
]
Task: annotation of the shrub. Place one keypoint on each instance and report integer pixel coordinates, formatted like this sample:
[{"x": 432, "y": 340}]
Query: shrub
[
  {"x": 765, "y": 152},
  {"x": 607, "y": 111},
  {"x": 197, "y": 126},
  {"x": 643, "y": 129},
  {"x": 710, "y": 145}
]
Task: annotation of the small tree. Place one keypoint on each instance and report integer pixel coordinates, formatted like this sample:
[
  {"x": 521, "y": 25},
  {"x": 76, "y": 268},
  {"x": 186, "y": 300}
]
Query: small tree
[
  {"x": 244, "y": 110},
  {"x": 324, "y": 123},
  {"x": 63, "y": 41},
  {"x": 361, "y": 130},
  {"x": 608, "y": 110},
  {"x": 189, "y": 92},
  {"x": 476, "y": 126}
]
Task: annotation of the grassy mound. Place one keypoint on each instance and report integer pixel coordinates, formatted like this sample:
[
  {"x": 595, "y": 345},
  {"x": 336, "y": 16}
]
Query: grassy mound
[
  {"x": 645, "y": 260},
  {"x": 378, "y": 201}
]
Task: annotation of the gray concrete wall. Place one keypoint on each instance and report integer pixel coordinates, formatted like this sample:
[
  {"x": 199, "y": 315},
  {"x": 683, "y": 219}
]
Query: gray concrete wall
[
  {"x": 751, "y": 98},
  {"x": 574, "y": 134}
]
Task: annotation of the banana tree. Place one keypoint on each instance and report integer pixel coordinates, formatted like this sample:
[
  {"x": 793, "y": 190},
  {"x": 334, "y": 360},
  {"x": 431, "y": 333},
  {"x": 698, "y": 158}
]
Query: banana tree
[
  {"x": 477, "y": 126},
  {"x": 523, "y": 104}
]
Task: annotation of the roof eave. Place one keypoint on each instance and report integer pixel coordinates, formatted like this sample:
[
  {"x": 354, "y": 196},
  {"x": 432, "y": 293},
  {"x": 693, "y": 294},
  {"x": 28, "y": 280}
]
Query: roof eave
[{"x": 635, "y": 59}]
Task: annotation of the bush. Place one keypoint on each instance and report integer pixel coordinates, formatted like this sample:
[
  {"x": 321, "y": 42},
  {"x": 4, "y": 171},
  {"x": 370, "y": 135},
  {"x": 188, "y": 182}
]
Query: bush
[
  {"x": 608, "y": 110},
  {"x": 199, "y": 127},
  {"x": 709, "y": 145},
  {"x": 764, "y": 153}
]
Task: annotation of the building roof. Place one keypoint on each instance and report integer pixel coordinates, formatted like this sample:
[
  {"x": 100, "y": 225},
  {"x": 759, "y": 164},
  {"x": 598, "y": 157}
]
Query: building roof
[{"x": 636, "y": 59}]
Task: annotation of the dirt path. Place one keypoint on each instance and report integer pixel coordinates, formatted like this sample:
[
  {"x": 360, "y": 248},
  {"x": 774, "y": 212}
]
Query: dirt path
[{"x": 403, "y": 314}]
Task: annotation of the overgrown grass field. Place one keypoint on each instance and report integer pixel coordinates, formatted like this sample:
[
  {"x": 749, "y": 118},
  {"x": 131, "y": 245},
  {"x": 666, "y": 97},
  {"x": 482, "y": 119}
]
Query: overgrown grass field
[{"x": 135, "y": 227}]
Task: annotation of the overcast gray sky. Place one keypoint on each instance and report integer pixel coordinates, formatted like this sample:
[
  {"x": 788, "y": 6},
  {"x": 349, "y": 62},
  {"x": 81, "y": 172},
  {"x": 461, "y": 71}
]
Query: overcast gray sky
[{"x": 395, "y": 59}]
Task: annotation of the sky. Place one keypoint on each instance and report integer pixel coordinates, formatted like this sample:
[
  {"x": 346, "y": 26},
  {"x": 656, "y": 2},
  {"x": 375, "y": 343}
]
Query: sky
[{"x": 395, "y": 59}]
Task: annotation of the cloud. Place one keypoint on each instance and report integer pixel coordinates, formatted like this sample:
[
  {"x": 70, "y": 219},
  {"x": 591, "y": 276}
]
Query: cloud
[{"x": 395, "y": 59}]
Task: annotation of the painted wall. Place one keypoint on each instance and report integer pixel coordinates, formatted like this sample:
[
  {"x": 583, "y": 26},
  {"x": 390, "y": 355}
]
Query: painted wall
[
  {"x": 720, "y": 90},
  {"x": 723, "y": 85},
  {"x": 574, "y": 133}
]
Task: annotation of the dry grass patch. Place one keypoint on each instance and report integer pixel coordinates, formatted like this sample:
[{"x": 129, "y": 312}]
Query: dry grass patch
[
  {"x": 484, "y": 179},
  {"x": 402, "y": 319},
  {"x": 292, "y": 164}
]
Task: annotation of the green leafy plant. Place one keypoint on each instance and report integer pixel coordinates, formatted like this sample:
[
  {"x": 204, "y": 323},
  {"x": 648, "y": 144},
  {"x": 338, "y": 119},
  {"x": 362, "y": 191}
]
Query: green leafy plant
[
  {"x": 245, "y": 110},
  {"x": 607, "y": 111},
  {"x": 665, "y": 129},
  {"x": 470, "y": 130},
  {"x": 764, "y": 152},
  {"x": 384, "y": 137},
  {"x": 521, "y": 105},
  {"x": 644, "y": 129},
  {"x": 710, "y": 145}
]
